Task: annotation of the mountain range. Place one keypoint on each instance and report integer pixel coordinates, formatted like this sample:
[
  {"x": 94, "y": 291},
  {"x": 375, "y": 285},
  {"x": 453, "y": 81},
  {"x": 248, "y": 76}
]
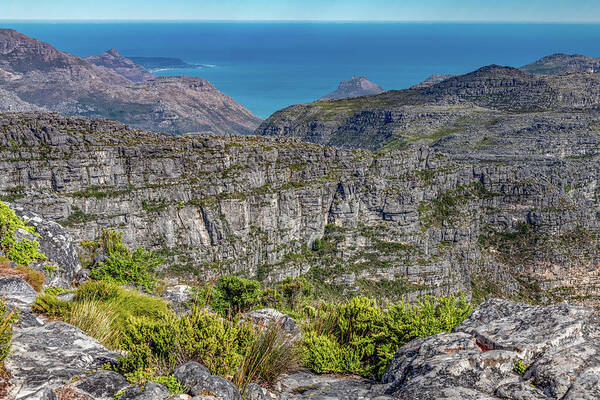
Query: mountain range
[{"x": 36, "y": 76}]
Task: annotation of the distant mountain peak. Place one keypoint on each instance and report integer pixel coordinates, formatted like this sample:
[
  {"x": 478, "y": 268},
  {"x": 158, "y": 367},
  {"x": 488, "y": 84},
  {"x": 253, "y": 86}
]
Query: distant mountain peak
[
  {"x": 123, "y": 66},
  {"x": 355, "y": 87}
]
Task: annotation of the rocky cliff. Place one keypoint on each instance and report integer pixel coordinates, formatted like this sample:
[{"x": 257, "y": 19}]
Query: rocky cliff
[
  {"x": 357, "y": 86},
  {"x": 463, "y": 109},
  {"x": 424, "y": 219},
  {"x": 37, "y": 76}
]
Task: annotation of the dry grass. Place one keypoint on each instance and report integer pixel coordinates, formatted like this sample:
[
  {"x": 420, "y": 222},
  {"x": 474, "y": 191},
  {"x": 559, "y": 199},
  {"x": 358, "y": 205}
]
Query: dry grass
[{"x": 35, "y": 278}]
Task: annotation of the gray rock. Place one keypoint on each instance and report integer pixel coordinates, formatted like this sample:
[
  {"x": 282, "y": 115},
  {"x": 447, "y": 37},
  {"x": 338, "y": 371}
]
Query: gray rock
[
  {"x": 198, "y": 380},
  {"x": 306, "y": 385},
  {"x": 52, "y": 354},
  {"x": 151, "y": 391},
  {"x": 27, "y": 319},
  {"x": 67, "y": 296},
  {"x": 43, "y": 393},
  {"x": 559, "y": 344},
  {"x": 267, "y": 317},
  {"x": 17, "y": 292},
  {"x": 179, "y": 296},
  {"x": 56, "y": 243},
  {"x": 102, "y": 385}
]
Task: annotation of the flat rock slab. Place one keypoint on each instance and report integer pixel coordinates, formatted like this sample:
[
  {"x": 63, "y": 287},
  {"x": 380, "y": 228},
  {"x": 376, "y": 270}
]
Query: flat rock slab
[
  {"x": 305, "y": 385},
  {"x": 51, "y": 355}
]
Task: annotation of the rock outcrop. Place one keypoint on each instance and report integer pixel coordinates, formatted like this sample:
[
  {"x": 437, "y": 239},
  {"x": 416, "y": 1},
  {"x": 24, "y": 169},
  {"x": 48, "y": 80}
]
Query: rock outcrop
[
  {"x": 357, "y": 86},
  {"x": 517, "y": 217},
  {"x": 504, "y": 350},
  {"x": 112, "y": 60},
  {"x": 432, "y": 80},
  {"x": 39, "y": 77}
]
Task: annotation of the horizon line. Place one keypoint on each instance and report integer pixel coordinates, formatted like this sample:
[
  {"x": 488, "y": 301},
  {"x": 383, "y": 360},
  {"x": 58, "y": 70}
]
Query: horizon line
[{"x": 122, "y": 20}]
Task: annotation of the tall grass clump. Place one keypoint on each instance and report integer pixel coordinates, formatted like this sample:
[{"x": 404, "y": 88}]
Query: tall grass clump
[{"x": 360, "y": 337}]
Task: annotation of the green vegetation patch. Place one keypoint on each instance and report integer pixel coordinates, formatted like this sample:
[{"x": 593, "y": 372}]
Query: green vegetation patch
[{"x": 22, "y": 251}]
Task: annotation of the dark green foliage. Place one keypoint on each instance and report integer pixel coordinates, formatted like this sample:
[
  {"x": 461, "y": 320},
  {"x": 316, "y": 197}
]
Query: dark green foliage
[
  {"x": 317, "y": 244},
  {"x": 361, "y": 337},
  {"x": 232, "y": 295},
  {"x": 121, "y": 265}
]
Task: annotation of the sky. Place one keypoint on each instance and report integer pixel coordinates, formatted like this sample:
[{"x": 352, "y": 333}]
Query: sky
[{"x": 568, "y": 11}]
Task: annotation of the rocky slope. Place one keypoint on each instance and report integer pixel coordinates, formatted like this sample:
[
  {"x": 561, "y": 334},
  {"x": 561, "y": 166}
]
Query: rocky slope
[
  {"x": 465, "y": 108},
  {"x": 112, "y": 60},
  {"x": 431, "y": 219},
  {"x": 38, "y": 76},
  {"x": 355, "y": 87},
  {"x": 563, "y": 64}
]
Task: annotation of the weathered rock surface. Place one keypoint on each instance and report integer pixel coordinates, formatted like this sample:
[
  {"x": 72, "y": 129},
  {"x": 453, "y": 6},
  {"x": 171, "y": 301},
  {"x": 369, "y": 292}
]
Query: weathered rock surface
[
  {"x": 58, "y": 246},
  {"x": 559, "y": 344},
  {"x": 357, "y": 86},
  {"x": 428, "y": 219},
  {"x": 267, "y": 317},
  {"x": 50, "y": 355},
  {"x": 179, "y": 296},
  {"x": 39, "y": 77},
  {"x": 199, "y": 382},
  {"x": 17, "y": 292},
  {"x": 123, "y": 66},
  {"x": 432, "y": 80},
  {"x": 101, "y": 385}
]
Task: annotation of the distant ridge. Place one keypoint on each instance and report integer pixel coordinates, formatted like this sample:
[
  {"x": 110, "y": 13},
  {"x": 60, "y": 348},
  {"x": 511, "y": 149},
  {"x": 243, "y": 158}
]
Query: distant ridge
[
  {"x": 560, "y": 63},
  {"x": 36, "y": 76}
]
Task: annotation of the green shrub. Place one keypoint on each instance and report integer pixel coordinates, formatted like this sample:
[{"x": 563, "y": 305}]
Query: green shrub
[
  {"x": 121, "y": 265},
  {"x": 22, "y": 251},
  {"x": 360, "y": 337},
  {"x": 7, "y": 319},
  {"x": 140, "y": 377},
  {"x": 47, "y": 304},
  {"x": 520, "y": 368},
  {"x": 232, "y": 295}
]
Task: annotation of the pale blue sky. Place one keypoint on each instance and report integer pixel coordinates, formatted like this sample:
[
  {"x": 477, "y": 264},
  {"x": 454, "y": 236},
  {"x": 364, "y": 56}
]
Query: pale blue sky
[{"x": 357, "y": 10}]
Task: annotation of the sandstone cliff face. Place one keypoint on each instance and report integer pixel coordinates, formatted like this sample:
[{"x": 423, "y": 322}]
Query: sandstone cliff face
[
  {"x": 404, "y": 222},
  {"x": 39, "y": 77}
]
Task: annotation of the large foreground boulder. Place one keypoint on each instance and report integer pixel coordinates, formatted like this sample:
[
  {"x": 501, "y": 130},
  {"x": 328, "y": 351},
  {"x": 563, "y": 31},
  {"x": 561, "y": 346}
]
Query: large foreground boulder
[
  {"x": 198, "y": 381},
  {"x": 504, "y": 350},
  {"x": 50, "y": 355}
]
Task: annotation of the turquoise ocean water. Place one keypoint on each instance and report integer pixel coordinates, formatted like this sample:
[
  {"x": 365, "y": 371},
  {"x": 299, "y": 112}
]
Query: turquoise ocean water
[{"x": 267, "y": 66}]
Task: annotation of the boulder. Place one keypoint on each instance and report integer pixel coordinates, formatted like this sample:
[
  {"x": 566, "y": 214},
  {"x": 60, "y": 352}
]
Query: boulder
[
  {"x": 557, "y": 344},
  {"x": 179, "y": 296},
  {"x": 52, "y": 354},
  {"x": 17, "y": 292},
  {"x": 151, "y": 391},
  {"x": 56, "y": 243},
  {"x": 266, "y": 317},
  {"x": 101, "y": 385},
  {"x": 199, "y": 382}
]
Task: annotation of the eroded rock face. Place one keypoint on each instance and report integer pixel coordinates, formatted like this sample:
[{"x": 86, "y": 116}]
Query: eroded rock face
[
  {"x": 17, "y": 292},
  {"x": 432, "y": 219},
  {"x": 267, "y": 317},
  {"x": 50, "y": 355},
  {"x": 559, "y": 344},
  {"x": 58, "y": 246}
]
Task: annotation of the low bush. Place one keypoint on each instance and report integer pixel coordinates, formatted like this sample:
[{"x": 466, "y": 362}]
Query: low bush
[
  {"x": 120, "y": 264},
  {"x": 22, "y": 251},
  {"x": 360, "y": 337}
]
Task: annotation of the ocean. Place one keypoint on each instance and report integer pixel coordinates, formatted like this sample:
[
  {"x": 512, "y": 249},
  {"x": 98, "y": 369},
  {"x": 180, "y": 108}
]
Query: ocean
[{"x": 268, "y": 66}]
